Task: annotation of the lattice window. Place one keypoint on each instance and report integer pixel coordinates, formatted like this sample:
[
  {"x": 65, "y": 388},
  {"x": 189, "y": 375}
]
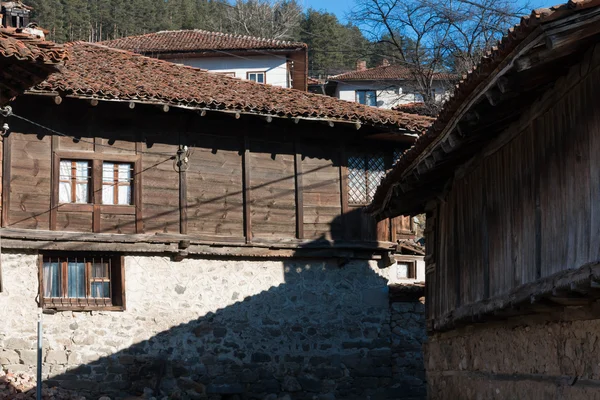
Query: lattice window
[{"x": 364, "y": 176}]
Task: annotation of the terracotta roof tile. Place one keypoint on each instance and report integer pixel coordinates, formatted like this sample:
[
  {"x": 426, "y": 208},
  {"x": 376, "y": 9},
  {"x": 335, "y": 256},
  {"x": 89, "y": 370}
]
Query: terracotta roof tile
[
  {"x": 387, "y": 72},
  {"x": 196, "y": 41},
  {"x": 470, "y": 82},
  {"x": 96, "y": 71},
  {"x": 21, "y": 46}
]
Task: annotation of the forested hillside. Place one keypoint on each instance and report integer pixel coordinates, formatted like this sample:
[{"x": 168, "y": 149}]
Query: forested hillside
[{"x": 334, "y": 47}]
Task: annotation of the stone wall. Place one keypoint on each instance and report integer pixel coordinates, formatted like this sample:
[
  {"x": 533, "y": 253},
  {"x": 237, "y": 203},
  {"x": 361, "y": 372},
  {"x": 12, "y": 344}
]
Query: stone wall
[
  {"x": 217, "y": 329},
  {"x": 538, "y": 360},
  {"x": 408, "y": 335}
]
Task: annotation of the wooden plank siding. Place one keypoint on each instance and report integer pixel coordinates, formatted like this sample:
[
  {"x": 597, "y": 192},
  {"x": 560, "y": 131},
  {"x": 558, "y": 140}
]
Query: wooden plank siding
[
  {"x": 524, "y": 211},
  {"x": 244, "y": 180}
]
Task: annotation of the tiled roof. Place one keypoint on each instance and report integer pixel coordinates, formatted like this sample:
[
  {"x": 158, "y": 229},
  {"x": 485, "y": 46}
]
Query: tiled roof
[
  {"x": 96, "y": 71},
  {"x": 21, "y": 46},
  {"x": 196, "y": 41},
  {"x": 470, "y": 82},
  {"x": 386, "y": 72}
]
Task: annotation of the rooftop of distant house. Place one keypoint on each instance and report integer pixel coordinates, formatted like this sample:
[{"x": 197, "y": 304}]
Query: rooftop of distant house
[
  {"x": 385, "y": 71},
  {"x": 196, "y": 40},
  {"x": 99, "y": 72}
]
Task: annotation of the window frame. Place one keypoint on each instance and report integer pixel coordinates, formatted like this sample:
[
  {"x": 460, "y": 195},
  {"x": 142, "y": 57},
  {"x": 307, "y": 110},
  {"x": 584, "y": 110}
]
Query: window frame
[
  {"x": 116, "y": 183},
  {"x": 365, "y": 91},
  {"x": 117, "y": 301},
  {"x": 96, "y": 160},
  {"x": 74, "y": 181},
  {"x": 411, "y": 271},
  {"x": 264, "y": 73}
]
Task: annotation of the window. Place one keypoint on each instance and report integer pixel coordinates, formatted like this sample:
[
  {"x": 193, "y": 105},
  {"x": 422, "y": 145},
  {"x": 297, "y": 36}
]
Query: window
[
  {"x": 116, "y": 183},
  {"x": 82, "y": 282},
  {"x": 418, "y": 98},
  {"x": 257, "y": 77},
  {"x": 366, "y": 97},
  {"x": 74, "y": 178},
  {"x": 406, "y": 269},
  {"x": 364, "y": 175}
]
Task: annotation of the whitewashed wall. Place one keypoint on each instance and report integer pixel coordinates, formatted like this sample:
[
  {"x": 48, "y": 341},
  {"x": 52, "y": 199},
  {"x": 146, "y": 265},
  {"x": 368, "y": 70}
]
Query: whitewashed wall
[
  {"x": 387, "y": 95},
  {"x": 274, "y": 66}
]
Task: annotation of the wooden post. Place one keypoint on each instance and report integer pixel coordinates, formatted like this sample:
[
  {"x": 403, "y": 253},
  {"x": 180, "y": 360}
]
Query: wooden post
[
  {"x": 485, "y": 246},
  {"x": 55, "y": 182},
  {"x": 97, "y": 193},
  {"x": 137, "y": 187},
  {"x": 6, "y": 166},
  {"x": 183, "y": 218},
  {"x": 246, "y": 187},
  {"x": 299, "y": 193}
]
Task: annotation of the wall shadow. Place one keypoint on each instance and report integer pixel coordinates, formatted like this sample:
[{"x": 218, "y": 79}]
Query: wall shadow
[{"x": 323, "y": 332}]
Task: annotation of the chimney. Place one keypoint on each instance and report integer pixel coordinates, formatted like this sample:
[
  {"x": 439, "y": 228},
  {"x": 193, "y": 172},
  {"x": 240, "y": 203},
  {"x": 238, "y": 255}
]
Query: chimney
[
  {"x": 385, "y": 63},
  {"x": 361, "y": 65},
  {"x": 14, "y": 14}
]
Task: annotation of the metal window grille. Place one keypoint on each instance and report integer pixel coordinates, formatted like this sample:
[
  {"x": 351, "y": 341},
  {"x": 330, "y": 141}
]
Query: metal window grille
[
  {"x": 78, "y": 281},
  {"x": 364, "y": 176}
]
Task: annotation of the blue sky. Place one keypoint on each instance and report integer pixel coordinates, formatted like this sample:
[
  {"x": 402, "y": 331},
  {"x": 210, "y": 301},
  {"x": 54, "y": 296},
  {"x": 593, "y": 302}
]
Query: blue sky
[{"x": 342, "y": 7}]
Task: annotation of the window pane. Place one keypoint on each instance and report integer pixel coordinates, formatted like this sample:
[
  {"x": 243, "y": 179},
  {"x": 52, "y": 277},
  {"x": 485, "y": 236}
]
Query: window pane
[
  {"x": 108, "y": 183},
  {"x": 65, "y": 169},
  {"x": 376, "y": 166},
  {"x": 81, "y": 193},
  {"x": 371, "y": 98},
  {"x": 124, "y": 195},
  {"x": 76, "y": 272},
  {"x": 82, "y": 170},
  {"x": 52, "y": 282},
  {"x": 357, "y": 180},
  {"x": 64, "y": 192},
  {"x": 108, "y": 172},
  {"x": 99, "y": 270},
  {"x": 252, "y": 77},
  {"x": 100, "y": 289},
  {"x": 402, "y": 270},
  {"x": 361, "y": 97},
  {"x": 260, "y": 78},
  {"x": 108, "y": 193},
  {"x": 124, "y": 172}
]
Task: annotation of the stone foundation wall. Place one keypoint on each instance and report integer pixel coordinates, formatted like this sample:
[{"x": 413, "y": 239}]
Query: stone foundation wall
[
  {"x": 217, "y": 329},
  {"x": 542, "y": 360}
]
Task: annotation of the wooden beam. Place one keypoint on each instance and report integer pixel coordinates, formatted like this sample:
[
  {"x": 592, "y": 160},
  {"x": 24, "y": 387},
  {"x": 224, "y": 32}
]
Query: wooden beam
[
  {"x": 131, "y": 105},
  {"x": 94, "y": 102},
  {"x": 58, "y": 100},
  {"x": 269, "y": 119},
  {"x": 503, "y": 84},
  {"x": 137, "y": 187},
  {"x": 494, "y": 97},
  {"x": 343, "y": 162},
  {"x": 164, "y": 108},
  {"x": 571, "y": 37},
  {"x": 299, "y": 191},
  {"x": 246, "y": 188}
]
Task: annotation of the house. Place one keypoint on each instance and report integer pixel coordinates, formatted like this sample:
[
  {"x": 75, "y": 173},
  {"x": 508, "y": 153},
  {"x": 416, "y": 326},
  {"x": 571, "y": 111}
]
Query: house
[
  {"x": 190, "y": 234},
  {"x": 274, "y": 62},
  {"x": 385, "y": 86},
  {"x": 508, "y": 177}
]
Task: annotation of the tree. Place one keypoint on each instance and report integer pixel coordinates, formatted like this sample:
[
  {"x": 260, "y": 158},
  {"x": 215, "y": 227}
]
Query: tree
[
  {"x": 279, "y": 19},
  {"x": 430, "y": 37}
]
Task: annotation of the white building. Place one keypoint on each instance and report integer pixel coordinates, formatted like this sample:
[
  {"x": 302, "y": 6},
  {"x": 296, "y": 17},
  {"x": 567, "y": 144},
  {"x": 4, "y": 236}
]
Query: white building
[
  {"x": 386, "y": 86},
  {"x": 274, "y": 62}
]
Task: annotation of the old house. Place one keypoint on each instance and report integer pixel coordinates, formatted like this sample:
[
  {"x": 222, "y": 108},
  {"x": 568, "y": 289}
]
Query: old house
[
  {"x": 508, "y": 176},
  {"x": 385, "y": 86},
  {"x": 192, "y": 234},
  {"x": 275, "y": 62}
]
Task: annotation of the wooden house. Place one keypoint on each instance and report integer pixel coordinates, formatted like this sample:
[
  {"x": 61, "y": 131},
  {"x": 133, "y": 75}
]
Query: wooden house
[
  {"x": 508, "y": 176},
  {"x": 275, "y": 62},
  {"x": 192, "y": 234}
]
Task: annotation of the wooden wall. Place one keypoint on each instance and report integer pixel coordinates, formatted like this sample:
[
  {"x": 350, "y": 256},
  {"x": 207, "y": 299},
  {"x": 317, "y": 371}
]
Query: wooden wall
[
  {"x": 246, "y": 180},
  {"x": 529, "y": 209}
]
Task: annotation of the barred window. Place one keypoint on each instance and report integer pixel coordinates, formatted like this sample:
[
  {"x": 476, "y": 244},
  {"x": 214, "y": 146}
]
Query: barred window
[
  {"x": 116, "y": 183},
  {"x": 82, "y": 282},
  {"x": 364, "y": 176},
  {"x": 74, "y": 177}
]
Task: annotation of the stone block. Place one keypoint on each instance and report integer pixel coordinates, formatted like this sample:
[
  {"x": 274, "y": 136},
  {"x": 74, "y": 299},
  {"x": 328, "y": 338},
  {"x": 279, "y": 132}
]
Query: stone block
[
  {"x": 28, "y": 357},
  {"x": 8, "y": 357},
  {"x": 231, "y": 388},
  {"x": 56, "y": 357},
  {"x": 18, "y": 344},
  {"x": 291, "y": 384},
  {"x": 310, "y": 384}
]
